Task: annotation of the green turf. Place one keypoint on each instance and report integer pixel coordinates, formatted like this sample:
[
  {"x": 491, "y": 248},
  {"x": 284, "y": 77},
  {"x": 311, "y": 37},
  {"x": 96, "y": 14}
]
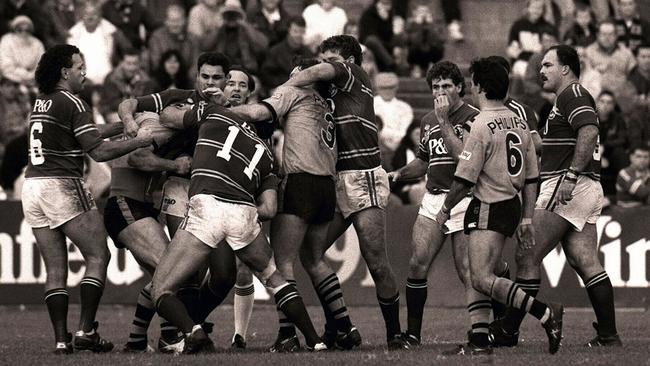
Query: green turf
[{"x": 26, "y": 339}]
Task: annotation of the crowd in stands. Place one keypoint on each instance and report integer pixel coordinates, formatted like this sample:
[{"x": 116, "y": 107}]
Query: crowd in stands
[{"x": 136, "y": 47}]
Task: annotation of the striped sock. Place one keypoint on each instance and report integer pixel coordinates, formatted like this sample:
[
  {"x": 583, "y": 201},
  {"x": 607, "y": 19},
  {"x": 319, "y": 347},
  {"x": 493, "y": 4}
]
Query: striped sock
[
  {"x": 507, "y": 292},
  {"x": 287, "y": 329},
  {"x": 499, "y": 309},
  {"x": 91, "y": 293},
  {"x": 287, "y": 298},
  {"x": 479, "y": 307},
  {"x": 144, "y": 312},
  {"x": 514, "y": 317},
  {"x": 601, "y": 295},
  {"x": 390, "y": 311},
  {"x": 331, "y": 298},
  {"x": 57, "y": 305},
  {"x": 168, "y": 332},
  {"x": 416, "y": 297},
  {"x": 243, "y": 307}
]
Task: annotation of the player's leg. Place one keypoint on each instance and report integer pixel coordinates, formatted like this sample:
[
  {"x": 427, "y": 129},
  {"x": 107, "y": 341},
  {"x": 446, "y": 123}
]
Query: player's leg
[
  {"x": 220, "y": 280},
  {"x": 581, "y": 249},
  {"x": 242, "y": 304},
  {"x": 53, "y": 249}
]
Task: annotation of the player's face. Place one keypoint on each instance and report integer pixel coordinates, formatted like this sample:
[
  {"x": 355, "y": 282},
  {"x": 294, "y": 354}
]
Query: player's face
[
  {"x": 446, "y": 87},
  {"x": 76, "y": 75},
  {"x": 640, "y": 159},
  {"x": 551, "y": 72},
  {"x": 331, "y": 56},
  {"x": 236, "y": 90},
  {"x": 210, "y": 76},
  {"x": 643, "y": 58}
]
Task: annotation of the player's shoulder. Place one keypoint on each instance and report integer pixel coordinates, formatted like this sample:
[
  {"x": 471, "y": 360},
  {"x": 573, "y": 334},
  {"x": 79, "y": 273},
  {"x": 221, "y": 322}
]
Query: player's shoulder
[
  {"x": 572, "y": 92},
  {"x": 523, "y": 110},
  {"x": 429, "y": 119},
  {"x": 66, "y": 101},
  {"x": 468, "y": 111}
]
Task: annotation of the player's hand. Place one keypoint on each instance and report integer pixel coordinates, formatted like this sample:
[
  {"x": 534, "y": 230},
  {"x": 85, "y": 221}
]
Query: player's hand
[
  {"x": 563, "y": 195},
  {"x": 394, "y": 176},
  {"x": 183, "y": 164},
  {"x": 441, "y": 108},
  {"x": 525, "y": 235},
  {"x": 130, "y": 127},
  {"x": 216, "y": 95},
  {"x": 145, "y": 135}
]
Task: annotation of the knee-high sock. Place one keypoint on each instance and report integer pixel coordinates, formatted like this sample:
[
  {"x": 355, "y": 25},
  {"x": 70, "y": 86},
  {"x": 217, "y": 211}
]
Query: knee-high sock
[
  {"x": 416, "y": 297},
  {"x": 331, "y": 298},
  {"x": 91, "y": 293},
  {"x": 390, "y": 311},
  {"x": 499, "y": 309},
  {"x": 243, "y": 307},
  {"x": 507, "y": 292},
  {"x": 144, "y": 312},
  {"x": 287, "y": 329},
  {"x": 601, "y": 295},
  {"x": 287, "y": 298},
  {"x": 172, "y": 309},
  {"x": 479, "y": 307},
  {"x": 514, "y": 317},
  {"x": 57, "y": 305}
]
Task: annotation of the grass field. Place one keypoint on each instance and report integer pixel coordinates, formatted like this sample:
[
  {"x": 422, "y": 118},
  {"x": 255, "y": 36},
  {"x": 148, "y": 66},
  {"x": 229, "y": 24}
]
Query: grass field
[{"x": 26, "y": 339}]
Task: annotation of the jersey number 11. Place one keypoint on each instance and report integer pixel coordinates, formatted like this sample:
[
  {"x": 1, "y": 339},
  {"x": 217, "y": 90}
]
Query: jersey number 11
[{"x": 224, "y": 153}]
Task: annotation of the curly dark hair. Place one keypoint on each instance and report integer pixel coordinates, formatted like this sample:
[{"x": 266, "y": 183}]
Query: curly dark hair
[
  {"x": 214, "y": 59},
  {"x": 491, "y": 76},
  {"x": 48, "y": 71},
  {"x": 446, "y": 70},
  {"x": 343, "y": 44}
]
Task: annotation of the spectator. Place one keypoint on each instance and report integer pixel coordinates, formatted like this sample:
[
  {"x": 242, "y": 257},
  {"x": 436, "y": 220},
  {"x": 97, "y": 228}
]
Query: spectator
[
  {"x": 613, "y": 139},
  {"x": 278, "y": 62},
  {"x": 13, "y": 165},
  {"x": 237, "y": 39},
  {"x": 20, "y": 51},
  {"x": 583, "y": 31},
  {"x": 603, "y": 9},
  {"x": 271, "y": 19},
  {"x": 14, "y": 109},
  {"x": 173, "y": 35},
  {"x": 538, "y": 99},
  {"x": 33, "y": 9},
  {"x": 410, "y": 192},
  {"x": 369, "y": 65},
  {"x": 171, "y": 72},
  {"x": 206, "y": 16},
  {"x": 92, "y": 94},
  {"x": 129, "y": 16},
  {"x": 451, "y": 11},
  {"x": 99, "y": 41},
  {"x": 323, "y": 19},
  {"x": 376, "y": 33},
  {"x": 63, "y": 17},
  {"x": 630, "y": 28},
  {"x": 632, "y": 183},
  {"x": 396, "y": 114},
  {"x": 525, "y": 36},
  {"x": 158, "y": 8},
  {"x": 127, "y": 80},
  {"x": 639, "y": 79},
  {"x": 424, "y": 43},
  {"x": 611, "y": 60}
]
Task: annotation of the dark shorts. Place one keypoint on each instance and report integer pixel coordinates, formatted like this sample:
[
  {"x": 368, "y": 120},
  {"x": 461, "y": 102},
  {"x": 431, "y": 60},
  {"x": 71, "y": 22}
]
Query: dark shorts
[
  {"x": 502, "y": 217},
  {"x": 121, "y": 212},
  {"x": 310, "y": 197}
]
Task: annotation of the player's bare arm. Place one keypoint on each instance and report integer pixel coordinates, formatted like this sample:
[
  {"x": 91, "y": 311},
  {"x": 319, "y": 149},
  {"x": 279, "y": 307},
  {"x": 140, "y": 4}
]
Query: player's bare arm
[
  {"x": 109, "y": 150},
  {"x": 453, "y": 143},
  {"x": 267, "y": 204},
  {"x": 172, "y": 116},
  {"x": 459, "y": 189},
  {"x": 415, "y": 169},
  {"x": 525, "y": 230},
  {"x": 109, "y": 130},
  {"x": 144, "y": 159},
  {"x": 126, "y": 111},
  {"x": 537, "y": 142},
  {"x": 585, "y": 146},
  {"x": 253, "y": 112},
  {"x": 320, "y": 72}
]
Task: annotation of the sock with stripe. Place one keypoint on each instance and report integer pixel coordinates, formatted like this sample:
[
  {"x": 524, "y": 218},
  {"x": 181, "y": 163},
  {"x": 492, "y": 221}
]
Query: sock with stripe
[
  {"x": 287, "y": 329},
  {"x": 243, "y": 307},
  {"x": 211, "y": 295},
  {"x": 601, "y": 295},
  {"x": 57, "y": 305},
  {"x": 331, "y": 299},
  {"x": 390, "y": 311},
  {"x": 171, "y": 308},
  {"x": 289, "y": 301},
  {"x": 168, "y": 331},
  {"x": 514, "y": 317},
  {"x": 507, "y": 292},
  {"x": 416, "y": 297},
  {"x": 91, "y": 290},
  {"x": 479, "y": 307},
  {"x": 499, "y": 309},
  {"x": 144, "y": 312}
]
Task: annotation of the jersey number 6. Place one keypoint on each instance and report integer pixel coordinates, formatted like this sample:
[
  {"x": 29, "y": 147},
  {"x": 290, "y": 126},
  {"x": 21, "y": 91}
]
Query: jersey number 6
[
  {"x": 515, "y": 157},
  {"x": 224, "y": 153},
  {"x": 35, "y": 145}
]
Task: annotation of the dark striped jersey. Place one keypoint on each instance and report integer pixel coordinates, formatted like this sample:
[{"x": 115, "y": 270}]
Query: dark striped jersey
[
  {"x": 574, "y": 108},
  {"x": 524, "y": 112},
  {"x": 61, "y": 129},
  {"x": 156, "y": 102},
  {"x": 498, "y": 156},
  {"x": 354, "y": 114},
  {"x": 432, "y": 148},
  {"x": 230, "y": 161}
]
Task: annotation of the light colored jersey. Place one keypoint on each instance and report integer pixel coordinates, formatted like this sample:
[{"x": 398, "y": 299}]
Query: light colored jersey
[
  {"x": 309, "y": 136},
  {"x": 499, "y": 156}
]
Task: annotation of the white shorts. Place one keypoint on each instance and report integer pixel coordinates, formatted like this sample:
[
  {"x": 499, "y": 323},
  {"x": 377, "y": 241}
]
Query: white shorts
[
  {"x": 432, "y": 203},
  {"x": 54, "y": 201},
  {"x": 212, "y": 221},
  {"x": 174, "y": 196},
  {"x": 584, "y": 207},
  {"x": 357, "y": 190}
]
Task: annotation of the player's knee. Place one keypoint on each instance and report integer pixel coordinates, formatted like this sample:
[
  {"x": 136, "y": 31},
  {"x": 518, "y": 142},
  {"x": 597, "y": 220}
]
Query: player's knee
[
  {"x": 525, "y": 260},
  {"x": 417, "y": 267},
  {"x": 267, "y": 274},
  {"x": 480, "y": 283}
]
